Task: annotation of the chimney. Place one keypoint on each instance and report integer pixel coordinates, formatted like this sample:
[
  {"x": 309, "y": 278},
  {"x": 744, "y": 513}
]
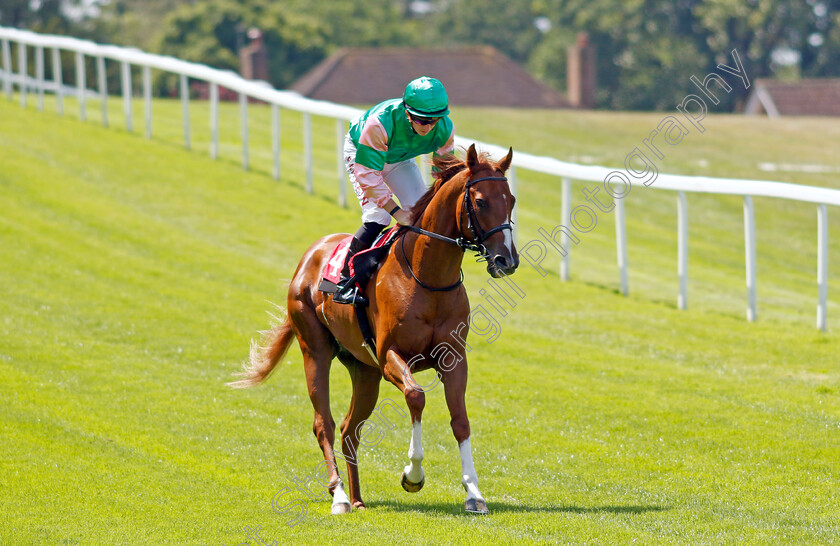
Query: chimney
[
  {"x": 253, "y": 58},
  {"x": 580, "y": 73}
]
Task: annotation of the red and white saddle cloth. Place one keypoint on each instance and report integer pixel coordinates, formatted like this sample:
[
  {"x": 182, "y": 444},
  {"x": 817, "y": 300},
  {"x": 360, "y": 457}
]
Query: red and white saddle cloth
[{"x": 332, "y": 270}]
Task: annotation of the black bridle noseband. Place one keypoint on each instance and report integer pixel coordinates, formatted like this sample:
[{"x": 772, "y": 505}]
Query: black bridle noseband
[
  {"x": 476, "y": 244},
  {"x": 479, "y": 235}
]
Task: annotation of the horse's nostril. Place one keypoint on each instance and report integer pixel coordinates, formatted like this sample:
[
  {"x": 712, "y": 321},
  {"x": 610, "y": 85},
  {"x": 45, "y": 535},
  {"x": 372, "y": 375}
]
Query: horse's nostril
[{"x": 500, "y": 262}]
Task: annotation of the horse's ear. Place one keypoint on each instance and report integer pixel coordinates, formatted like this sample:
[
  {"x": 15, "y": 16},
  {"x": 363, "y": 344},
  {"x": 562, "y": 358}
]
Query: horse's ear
[
  {"x": 472, "y": 158},
  {"x": 504, "y": 164}
]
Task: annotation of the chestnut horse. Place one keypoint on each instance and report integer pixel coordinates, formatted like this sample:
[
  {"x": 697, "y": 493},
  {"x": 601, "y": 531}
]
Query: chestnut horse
[{"x": 416, "y": 305}]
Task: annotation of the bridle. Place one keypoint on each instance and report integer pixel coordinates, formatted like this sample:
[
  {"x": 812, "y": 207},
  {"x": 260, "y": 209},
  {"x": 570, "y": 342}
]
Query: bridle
[
  {"x": 476, "y": 244},
  {"x": 479, "y": 235}
]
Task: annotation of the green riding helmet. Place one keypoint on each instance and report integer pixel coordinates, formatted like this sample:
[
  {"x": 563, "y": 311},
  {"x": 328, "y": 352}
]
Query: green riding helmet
[{"x": 426, "y": 97}]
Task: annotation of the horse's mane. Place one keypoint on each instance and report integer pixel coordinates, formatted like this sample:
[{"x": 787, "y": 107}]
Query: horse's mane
[{"x": 444, "y": 168}]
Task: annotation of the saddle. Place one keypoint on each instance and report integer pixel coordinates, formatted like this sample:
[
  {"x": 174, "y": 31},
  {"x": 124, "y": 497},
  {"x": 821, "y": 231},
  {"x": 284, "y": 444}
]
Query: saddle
[{"x": 362, "y": 265}]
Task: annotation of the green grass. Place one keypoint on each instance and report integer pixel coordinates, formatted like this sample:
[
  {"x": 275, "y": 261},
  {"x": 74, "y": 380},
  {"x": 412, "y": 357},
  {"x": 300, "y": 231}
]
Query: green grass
[{"x": 134, "y": 273}]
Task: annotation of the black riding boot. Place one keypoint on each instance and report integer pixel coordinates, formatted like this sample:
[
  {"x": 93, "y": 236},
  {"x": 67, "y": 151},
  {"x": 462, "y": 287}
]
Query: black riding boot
[{"x": 348, "y": 292}]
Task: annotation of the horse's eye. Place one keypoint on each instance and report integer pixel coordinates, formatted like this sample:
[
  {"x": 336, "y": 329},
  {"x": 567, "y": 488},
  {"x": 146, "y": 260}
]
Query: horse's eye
[{"x": 481, "y": 203}]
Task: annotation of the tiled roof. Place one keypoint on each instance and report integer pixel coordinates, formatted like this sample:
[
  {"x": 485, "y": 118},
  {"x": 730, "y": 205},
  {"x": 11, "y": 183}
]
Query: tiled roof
[
  {"x": 810, "y": 97},
  {"x": 473, "y": 77}
]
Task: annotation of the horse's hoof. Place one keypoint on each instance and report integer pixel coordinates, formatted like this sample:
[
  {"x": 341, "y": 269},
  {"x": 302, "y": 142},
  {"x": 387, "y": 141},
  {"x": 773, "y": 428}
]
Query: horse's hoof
[
  {"x": 411, "y": 487},
  {"x": 359, "y": 506},
  {"x": 476, "y": 506},
  {"x": 341, "y": 508}
]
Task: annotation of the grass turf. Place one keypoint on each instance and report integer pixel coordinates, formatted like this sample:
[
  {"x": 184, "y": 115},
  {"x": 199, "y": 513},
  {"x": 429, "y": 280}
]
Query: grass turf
[{"x": 134, "y": 274}]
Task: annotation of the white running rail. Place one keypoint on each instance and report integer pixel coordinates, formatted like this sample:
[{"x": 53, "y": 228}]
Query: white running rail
[{"x": 38, "y": 44}]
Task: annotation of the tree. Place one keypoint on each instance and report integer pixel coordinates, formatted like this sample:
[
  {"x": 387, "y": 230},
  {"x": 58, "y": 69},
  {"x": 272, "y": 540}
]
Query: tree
[
  {"x": 807, "y": 31},
  {"x": 373, "y": 23},
  {"x": 507, "y": 25},
  {"x": 49, "y": 16},
  {"x": 647, "y": 49},
  {"x": 135, "y": 23},
  {"x": 297, "y": 33},
  {"x": 212, "y": 32},
  {"x": 822, "y": 45},
  {"x": 547, "y": 60}
]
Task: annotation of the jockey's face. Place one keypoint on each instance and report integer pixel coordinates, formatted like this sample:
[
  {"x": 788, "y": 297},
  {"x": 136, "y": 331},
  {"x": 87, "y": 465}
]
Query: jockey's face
[{"x": 422, "y": 128}]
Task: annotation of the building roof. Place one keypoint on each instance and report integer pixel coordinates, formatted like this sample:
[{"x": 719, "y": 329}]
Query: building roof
[
  {"x": 810, "y": 97},
  {"x": 476, "y": 76}
]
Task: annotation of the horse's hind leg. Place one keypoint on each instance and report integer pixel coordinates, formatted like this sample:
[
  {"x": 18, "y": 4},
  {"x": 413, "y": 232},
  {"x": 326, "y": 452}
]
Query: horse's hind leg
[
  {"x": 365, "y": 394},
  {"x": 318, "y": 350}
]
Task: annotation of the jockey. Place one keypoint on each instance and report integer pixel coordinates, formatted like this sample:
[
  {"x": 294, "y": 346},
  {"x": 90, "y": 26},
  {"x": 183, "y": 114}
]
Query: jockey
[{"x": 379, "y": 152}]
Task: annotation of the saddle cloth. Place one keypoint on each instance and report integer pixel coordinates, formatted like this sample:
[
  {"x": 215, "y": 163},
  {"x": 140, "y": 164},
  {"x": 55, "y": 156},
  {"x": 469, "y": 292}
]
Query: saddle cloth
[
  {"x": 332, "y": 271},
  {"x": 362, "y": 264}
]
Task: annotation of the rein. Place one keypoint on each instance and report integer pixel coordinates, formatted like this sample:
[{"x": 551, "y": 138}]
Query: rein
[
  {"x": 475, "y": 245},
  {"x": 421, "y": 283},
  {"x": 461, "y": 242}
]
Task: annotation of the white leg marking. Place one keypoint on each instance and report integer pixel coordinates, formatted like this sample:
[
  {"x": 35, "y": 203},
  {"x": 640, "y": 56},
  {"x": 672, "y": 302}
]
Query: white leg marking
[
  {"x": 414, "y": 472},
  {"x": 339, "y": 499},
  {"x": 468, "y": 476}
]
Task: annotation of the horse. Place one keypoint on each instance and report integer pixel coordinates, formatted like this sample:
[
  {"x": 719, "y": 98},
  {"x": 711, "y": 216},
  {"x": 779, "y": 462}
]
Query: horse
[{"x": 417, "y": 306}]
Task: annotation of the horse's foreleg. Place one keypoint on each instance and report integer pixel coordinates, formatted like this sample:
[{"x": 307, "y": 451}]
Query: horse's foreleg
[
  {"x": 413, "y": 477},
  {"x": 455, "y": 387},
  {"x": 365, "y": 394},
  {"x": 397, "y": 371}
]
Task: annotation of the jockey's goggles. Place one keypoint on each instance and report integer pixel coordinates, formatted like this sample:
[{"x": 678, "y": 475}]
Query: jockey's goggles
[{"x": 423, "y": 121}]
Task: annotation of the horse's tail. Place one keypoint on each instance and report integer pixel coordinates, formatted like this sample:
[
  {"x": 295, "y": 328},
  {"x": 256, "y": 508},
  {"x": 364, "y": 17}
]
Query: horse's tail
[{"x": 265, "y": 355}]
